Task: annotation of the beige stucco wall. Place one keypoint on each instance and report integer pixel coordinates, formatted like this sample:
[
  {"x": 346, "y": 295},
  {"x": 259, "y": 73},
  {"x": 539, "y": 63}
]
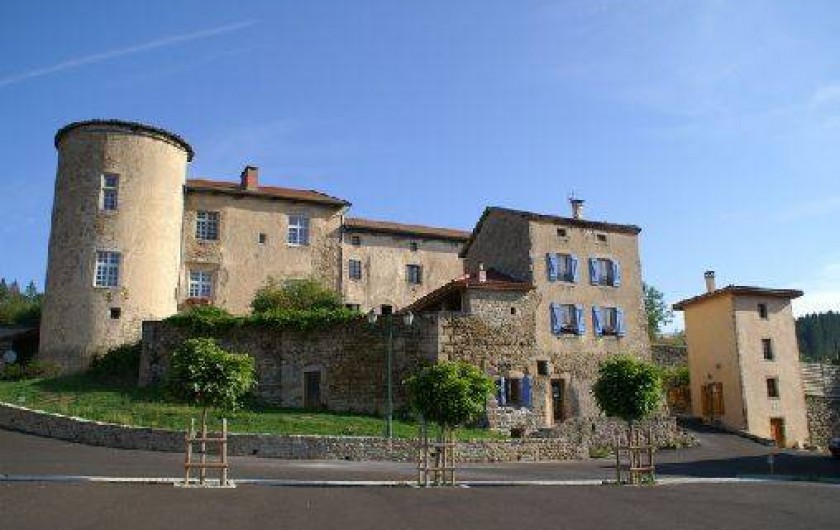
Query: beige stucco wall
[
  {"x": 240, "y": 263},
  {"x": 713, "y": 357},
  {"x": 576, "y": 357},
  {"x": 384, "y": 258},
  {"x": 146, "y": 229},
  {"x": 503, "y": 244},
  {"x": 779, "y": 327}
]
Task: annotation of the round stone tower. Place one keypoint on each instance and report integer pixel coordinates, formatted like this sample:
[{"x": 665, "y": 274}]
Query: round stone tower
[{"x": 115, "y": 240}]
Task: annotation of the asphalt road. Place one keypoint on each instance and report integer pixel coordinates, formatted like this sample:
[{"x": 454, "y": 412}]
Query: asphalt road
[
  {"x": 768, "y": 506},
  {"x": 720, "y": 455}
]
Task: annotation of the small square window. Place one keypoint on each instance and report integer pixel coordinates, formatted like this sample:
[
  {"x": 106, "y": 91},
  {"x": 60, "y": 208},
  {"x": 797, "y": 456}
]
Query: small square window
[
  {"x": 542, "y": 367},
  {"x": 602, "y": 238},
  {"x": 116, "y": 313},
  {"x": 512, "y": 310},
  {"x": 207, "y": 226},
  {"x": 354, "y": 269},
  {"x": 414, "y": 274},
  {"x": 767, "y": 348},
  {"x": 355, "y": 241},
  {"x": 772, "y": 387},
  {"x": 353, "y": 307},
  {"x": 263, "y": 238},
  {"x": 561, "y": 232},
  {"x": 413, "y": 246},
  {"x": 762, "y": 310},
  {"x": 386, "y": 309}
]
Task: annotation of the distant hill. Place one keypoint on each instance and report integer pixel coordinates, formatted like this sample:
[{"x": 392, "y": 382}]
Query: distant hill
[{"x": 819, "y": 336}]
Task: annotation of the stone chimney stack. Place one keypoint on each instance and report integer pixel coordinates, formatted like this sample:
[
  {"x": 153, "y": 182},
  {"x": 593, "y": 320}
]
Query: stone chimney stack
[
  {"x": 482, "y": 274},
  {"x": 249, "y": 179},
  {"x": 710, "y": 281},
  {"x": 577, "y": 207}
]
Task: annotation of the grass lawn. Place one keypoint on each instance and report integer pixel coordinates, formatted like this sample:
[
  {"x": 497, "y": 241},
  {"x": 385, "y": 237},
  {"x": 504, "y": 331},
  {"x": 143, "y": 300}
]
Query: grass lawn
[{"x": 85, "y": 397}]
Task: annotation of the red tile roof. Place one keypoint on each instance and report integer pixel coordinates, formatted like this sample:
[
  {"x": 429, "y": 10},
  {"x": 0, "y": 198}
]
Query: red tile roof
[
  {"x": 743, "y": 290},
  {"x": 269, "y": 192},
  {"x": 369, "y": 225},
  {"x": 496, "y": 281}
]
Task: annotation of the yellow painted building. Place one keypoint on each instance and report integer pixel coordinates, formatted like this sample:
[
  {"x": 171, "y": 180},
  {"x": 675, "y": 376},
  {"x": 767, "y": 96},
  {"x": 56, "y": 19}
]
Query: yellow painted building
[{"x": 744, "y": 361}]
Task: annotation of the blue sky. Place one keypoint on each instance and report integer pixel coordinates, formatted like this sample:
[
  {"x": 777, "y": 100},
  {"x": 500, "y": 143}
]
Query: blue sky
[{"x": 713, "y": 125}]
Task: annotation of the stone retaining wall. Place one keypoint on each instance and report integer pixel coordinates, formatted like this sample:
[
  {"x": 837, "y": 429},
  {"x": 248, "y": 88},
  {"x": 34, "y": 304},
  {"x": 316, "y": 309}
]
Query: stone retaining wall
[
  {"x": 823, "y": 419},
  {"x": 573, "y": 444}
]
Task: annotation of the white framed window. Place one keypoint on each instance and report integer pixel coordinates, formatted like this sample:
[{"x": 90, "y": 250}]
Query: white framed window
[
  {"x": 107, "y": 268},
  {"x": 201, "y": 284},
  {"x": 110, "y": 192},
  {"x": 414, "y": 274},
  {"x": 354, "y": 269},
  {"x": 298, "y": 230},
  {"x": 207, "y": 225}
]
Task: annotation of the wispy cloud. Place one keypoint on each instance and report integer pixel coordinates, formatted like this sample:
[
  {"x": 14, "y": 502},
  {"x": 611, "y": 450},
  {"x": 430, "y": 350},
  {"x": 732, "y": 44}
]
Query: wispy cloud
[
  {"x": 822, "y": 291},
  {"x": 826, "y": 94},
  {"x": 120, "y": 52}
]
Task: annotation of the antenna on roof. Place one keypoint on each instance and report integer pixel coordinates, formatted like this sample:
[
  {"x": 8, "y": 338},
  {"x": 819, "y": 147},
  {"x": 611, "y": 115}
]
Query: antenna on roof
[{"x": 577, "y": 205}]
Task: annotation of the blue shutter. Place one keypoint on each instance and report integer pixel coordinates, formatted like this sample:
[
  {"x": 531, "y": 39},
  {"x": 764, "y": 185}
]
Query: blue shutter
[
  {"x": 574, "y": 271},
  {"x": 551, "y": 266},
  {"x": 620, "y": 330},
  {"x": 596, "y": 321},
  {"x": 526, "y": 391},
  {"x": 593, "y": 271},
  {"x": 502, "y": 399},
  {"x": 556, "y": 319},
  {"x": 616, "y": 273},
  {"x": 581, "y": 325}
]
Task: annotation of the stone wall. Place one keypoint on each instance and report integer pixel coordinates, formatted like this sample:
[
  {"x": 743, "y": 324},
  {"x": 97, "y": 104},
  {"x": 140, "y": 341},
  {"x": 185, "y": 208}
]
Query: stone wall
[
  {"x": 823, "y": 419},
  {"x": 572, "y": 442},
  {"x": 669, "y": 356},
  {"x": 351, "y": 360}
]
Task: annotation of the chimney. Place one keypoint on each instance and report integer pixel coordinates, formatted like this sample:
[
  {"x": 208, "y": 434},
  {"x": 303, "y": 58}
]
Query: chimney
[
  {"x": 710, "y": 281},
  {"x": 249, "y": 179},
  {"x": 577, "y": 207},
  {"x": 482, "y": 274}
]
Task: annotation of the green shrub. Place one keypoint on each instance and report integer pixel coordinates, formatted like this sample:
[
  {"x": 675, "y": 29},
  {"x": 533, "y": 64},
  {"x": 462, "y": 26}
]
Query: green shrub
[
  {"x": 202, "y": 373},
  {"x": 204, "y": 319},
  {"x": 208, "y": 320},
  {"x": 628, "y": 388},
  {"x": 295, "y": 295},
  {"x": 450, "y": 394},
  {"x": 676, "y": 377},
  {"x": 120, "y": 364},
  {"x": 30, "y": 370}
]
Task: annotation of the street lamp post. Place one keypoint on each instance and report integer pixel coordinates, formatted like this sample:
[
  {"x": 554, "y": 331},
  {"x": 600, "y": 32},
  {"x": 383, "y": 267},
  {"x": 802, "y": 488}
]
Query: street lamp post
[{"x": 408, "y": 319}]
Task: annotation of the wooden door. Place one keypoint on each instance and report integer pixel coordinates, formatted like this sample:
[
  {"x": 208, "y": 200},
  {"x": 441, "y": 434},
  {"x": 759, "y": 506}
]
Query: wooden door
[
  {"x": 312, "y": 390},
  {"x": 777, "y": 431}
]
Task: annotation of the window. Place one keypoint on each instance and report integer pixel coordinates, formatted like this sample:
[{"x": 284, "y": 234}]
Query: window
[
  {"x": 602, "y": 238},
  {"x": 354, "y": 269},
  {"x": 298, "y": 230},
  {"x": 542, "y": 367},
  {"x": 207, "y": 226},
  {"x": 604, "y": 271},
  {"x": 107, "y": 269},
  {"x": 762, "y": 310},
  {"x": 608, "y": 320},
  {"x": 562, "y": 267},
  {"x": 262, "y": 238},
  {"x": 414, "y": 273},
  {"x": 356, "y": 241},
  {"x": 201, "y": 284},
  {"x": 413, "y": 246},
  {"x": 512, "y": 310},
  {"x": 386, "y": 309},
  {"x": 115, "y": 313},
  {"x": 772, "y": 387},
  {"x": 110, "y": 192},
  {"x": 561, "y": 232},
  {"x": 767, "y": 348},
  {"x": 353, "y": 307},
  {"x": 566, "y": 318}
]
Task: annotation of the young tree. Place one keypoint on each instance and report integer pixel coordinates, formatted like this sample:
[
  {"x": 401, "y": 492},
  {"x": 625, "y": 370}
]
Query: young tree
[
  {"x": 658, "y": 312},
  {"x": 294, "y": 295},
  {"x": 628, "y": 388},
  {"x": 449, "y": 394},
  {"x": 204, "y": 374}
]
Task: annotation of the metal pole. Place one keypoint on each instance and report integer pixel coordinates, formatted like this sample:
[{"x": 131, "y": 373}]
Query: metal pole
[{"x": 390, "y": 377}]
